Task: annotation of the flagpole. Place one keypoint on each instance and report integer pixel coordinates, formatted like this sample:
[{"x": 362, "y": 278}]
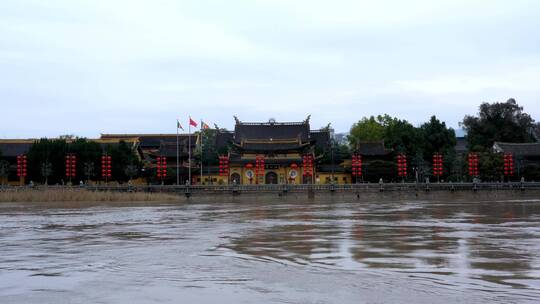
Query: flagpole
[
  {"x": 189, "y": 151},
  {"x": 201, "y": 152},
  {"x": 177, "y": 156}
]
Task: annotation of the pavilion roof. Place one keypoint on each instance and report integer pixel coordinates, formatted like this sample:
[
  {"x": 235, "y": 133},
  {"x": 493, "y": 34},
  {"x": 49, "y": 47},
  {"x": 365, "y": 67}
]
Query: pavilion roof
[
  {"x": 14, "y": 147},
  {"x": 518, "y": 149},
  {"x": 374, "y": 148},
  {"x": 271, "y": 131}
]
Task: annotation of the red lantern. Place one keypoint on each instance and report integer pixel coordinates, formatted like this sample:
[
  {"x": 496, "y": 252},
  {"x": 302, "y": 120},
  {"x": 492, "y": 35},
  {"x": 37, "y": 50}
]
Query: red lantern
[
  {"x": 307, "y": 162},
  {"x": 106, "y": 166},
  {"x": 473, "y": 164},
  {"x": 161, "y": 166},
  {"x": 437, "y": 164},
  {"x": 259, "y": 165},
  {"x": 508, "y": 164},
  {"x": 402, "y": 165},
  {"x": 71, "y": 165},
  {"x": 223, "y": 165},
  {"x": 356, "y": 164},
  {"x": 294, "y": 166},
  {"x": 21, "y": 165}
]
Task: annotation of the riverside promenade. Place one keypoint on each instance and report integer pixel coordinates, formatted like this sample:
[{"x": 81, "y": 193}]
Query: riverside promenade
[{"x": 309, "y": 189}]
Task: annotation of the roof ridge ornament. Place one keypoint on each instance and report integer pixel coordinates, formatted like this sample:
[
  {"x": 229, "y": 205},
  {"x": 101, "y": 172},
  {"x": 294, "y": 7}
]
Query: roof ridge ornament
[
  {"x": 237, "y": 120},
  {"x": 307, "y": 119}
]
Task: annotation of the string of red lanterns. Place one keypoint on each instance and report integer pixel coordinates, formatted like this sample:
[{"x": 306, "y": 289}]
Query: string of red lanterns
[
  {"x": 356, "y": 164},
  {"x": 437, "y": 164},
  {"x": 106, "y": 167},
  {"x": 259, "y": 166},
  {"x": 21, "y": 166},
  {"x": 307, "y": 162},
  {"x": 223, "y": 165},
  {"x": 473, "y": 164},
  {"x": 402, "y": 165},
  {"x": 508, "y": 164},
  {"x": 161, "y": 167},
  {"x": 71, "y": 165}
]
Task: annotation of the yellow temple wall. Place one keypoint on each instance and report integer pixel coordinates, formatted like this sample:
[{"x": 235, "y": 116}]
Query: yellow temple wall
[{"x": 339, "y": 178}]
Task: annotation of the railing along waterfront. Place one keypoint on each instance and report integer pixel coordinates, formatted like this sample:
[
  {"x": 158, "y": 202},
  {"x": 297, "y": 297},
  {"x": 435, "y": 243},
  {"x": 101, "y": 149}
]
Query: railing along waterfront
[{"x": 285, "y": 188}]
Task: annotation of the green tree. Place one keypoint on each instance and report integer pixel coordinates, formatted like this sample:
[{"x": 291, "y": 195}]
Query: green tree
[
  {"x": 490, "y": 166},
  {"x": 437, "y": 138},
  {"x": 47, "y": 154},
  {"x": 499, "y": 121},
  {"x": 400, "y": 135},
  {"x": 53, "y": 151},
  {"x": 122, "y": 155},
  {"x": 89, "y": 169},
  {"x": 367, "y": 129},
  {"x": 86, "y": 152}
]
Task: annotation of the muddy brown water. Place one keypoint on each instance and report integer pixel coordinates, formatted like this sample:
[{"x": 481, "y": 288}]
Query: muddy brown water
[{"x": 272, "y": 251}]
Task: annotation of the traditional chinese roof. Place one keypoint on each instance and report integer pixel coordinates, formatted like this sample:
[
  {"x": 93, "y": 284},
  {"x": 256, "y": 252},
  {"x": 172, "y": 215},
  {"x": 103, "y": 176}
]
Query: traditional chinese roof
[
  {"x": 271, "y": 131},
  {"x": 518, "y": 149},
  {"x": 375, "y": 148},
  {"x": 321, "y": 139},
  {"x": 461, "y": 145},
  {"x": 224, "y": 139},
  {"x": 536, "y": 132},
  {"x": 272, "y": 145},
  {"x": 237, "y": 159},
  {"x": 169, "y": 150},
  {"x": 153, "y": 140},
  {"x": 14, "y": 147},
  {"x": 275, "y": 136}
]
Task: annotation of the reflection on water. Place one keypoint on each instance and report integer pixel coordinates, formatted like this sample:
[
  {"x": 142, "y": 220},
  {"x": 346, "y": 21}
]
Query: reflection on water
[{"x": 424, "y": 251}]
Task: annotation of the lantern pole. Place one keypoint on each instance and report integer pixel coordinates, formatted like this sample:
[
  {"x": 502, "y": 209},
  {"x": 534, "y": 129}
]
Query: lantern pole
[
  {"x": 189, "y": 152},
  {"x": 177, "y": 156}
]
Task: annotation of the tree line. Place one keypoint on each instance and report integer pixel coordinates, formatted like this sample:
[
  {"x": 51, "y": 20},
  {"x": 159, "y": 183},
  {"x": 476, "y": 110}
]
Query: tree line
[
  {"x": 499, "y": 121},
  {"x": 46, "y": 160}
]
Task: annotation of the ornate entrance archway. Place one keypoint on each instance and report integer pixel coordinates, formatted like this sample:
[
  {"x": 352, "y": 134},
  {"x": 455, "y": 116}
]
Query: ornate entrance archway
[
  {"x": 271, "y": 178},
  {"x": 235, "y": 178}
]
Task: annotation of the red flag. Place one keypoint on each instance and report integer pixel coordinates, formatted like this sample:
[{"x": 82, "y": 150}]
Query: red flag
[{"x": 192, "y": 122}]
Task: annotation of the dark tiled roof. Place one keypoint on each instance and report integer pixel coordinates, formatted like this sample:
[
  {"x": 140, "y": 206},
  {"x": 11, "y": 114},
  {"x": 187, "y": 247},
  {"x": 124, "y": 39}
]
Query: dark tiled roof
[
  {"x": 461, "y": 144},
  {"x": 12, "y": 149},
  {"x": 536, "y": 132},
  {"x": 372, "y": 148},
  {"x": 235, "y": 159},
  {"x": 153, "y": 140},
  {"x": 321, "y": 138},
  {"x": 264, "y": 146},
  {"x": 169, "y": 150},
  {"x": 223, "y": 139},
  {"x": 518, "y": 149},
  {"x": 269, "y": 130}
]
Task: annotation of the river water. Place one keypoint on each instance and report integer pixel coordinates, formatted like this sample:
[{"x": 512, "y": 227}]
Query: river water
[{"x": 281, "y": 251}]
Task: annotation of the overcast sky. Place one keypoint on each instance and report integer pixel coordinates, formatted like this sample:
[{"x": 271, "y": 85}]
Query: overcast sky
[{"x": 115, "y": 66}]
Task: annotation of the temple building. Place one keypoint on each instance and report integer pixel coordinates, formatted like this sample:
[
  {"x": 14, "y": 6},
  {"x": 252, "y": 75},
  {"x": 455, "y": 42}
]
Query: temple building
[
  {"x": 526, "y": 157},
  {"x": 272, "y": 153},
  {"x": 256, "y": 152}
]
